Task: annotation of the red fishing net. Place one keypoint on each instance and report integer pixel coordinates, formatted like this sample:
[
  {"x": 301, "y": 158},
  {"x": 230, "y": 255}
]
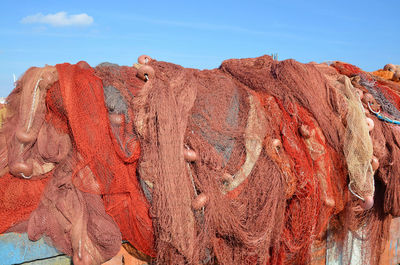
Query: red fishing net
[
  {"x": 273, "y": 141},
  {"x": 72, "y": 218},
  {"x": 18, "y": 199},
  {"x": 114, "y": 171}
]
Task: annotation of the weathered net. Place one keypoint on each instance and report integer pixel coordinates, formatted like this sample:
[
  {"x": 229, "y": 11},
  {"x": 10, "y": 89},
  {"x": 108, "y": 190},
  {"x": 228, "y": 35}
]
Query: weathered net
[
  {"x": 373, "y": 226},
  {"x": 357, "y": 144},
  {"x": 76, "y": 221},
  {"x": 303, "y": 95},
  {"x": 106, "y": 168},
  {"x": 384, "y": 135},
  {"x": 18, "y": 197},
  {"x": 209, "y": 113},
  {"x": 274, "y": 144}
]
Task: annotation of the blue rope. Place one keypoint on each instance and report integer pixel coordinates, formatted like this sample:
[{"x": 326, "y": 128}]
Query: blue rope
[{"x": 381, "y": 117}]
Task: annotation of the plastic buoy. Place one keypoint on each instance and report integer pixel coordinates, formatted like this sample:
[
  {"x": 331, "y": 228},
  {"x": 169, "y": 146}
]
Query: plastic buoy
[
  {"x": 330, "y": 202},
  {"x": 396, "y": 76},
  {"x": 189, "y": 155},
  {"x": 277, "y": 144},
  {"x": 116, "y": 119},
  {"x": 145, "y": 72},
  {"x": 200, "y": 201},
  {"x": 374, "y": 163},
  {"x": 144, "y": 59},
  {"x": 83, "y": 65},
  {"x": 367, "y": 203},
  {"x": 389, "y": 67},
  {"x": 305, "y": 131},
  {"x": 227, "y": 177},
  {"x": 370, "y": 124},
  {"x": 21, "y": 169}
]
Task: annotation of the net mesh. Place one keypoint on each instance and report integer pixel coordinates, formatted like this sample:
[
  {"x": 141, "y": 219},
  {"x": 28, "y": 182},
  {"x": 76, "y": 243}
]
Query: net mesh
[
  {"x": 372, "y": 226},
  {"x": 357, "y": 145},
  {"x": 276, "y": 143}
]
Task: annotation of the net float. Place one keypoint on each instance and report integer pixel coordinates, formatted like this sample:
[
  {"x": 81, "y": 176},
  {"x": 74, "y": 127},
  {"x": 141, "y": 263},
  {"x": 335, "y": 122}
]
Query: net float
[
  {"x": 227, "y": 177},
  {"x": 145, "y": 72},
  {"x": 144, "y": 59},
  {"x": 367, "y": 203},
  {"x": 200, "y": 201},
  {"x": 305, "y": 131},
  {"x": 116, "y": 119},
  {"x": 396, "y": 76},
  {"x": 330, "y": 202},
  {"x": 389, "y": 67},
  {"x": 21, "y": 169},
  {"x": 277, "y": 143},
  {"x": 374, "y": 163},
  {"x": 189, "y": 155},
  {"x": 370, "y": 124},
  {"x": 83, "y": 65},
  {"x": 24, "y": 137}
]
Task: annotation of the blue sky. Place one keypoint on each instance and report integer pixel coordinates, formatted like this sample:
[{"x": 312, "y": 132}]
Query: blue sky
[{"x": 198, "y": 34}]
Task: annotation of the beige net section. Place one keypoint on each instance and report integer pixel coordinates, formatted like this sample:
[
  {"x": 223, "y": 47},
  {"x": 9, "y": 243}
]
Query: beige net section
[{"x": 358, "y": 147}]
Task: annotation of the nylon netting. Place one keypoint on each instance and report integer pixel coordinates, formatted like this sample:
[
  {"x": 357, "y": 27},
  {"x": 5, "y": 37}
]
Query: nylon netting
[
  {"x": 70, "y": 207},
  {"x": 83, "y": 100},
  {"x": 276, "y": 145},
  {"x": 18, "y": 196},
  {"x": 373, "y": 226}
]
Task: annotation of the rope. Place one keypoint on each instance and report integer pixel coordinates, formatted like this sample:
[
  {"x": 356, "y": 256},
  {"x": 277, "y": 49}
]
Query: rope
[
  {"x": 33, "y": 105},
  {"x": 31, "y": 113},
  {"x": 26, "y": 177},
  {"x": 382, "y": 117},
  {"x": 355, "y": 194}
]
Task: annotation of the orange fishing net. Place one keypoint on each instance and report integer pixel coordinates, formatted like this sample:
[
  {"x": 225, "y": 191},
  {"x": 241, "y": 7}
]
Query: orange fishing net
[
  {"x": 18, "y": 199},
  {"x": 384, "y": 74}
]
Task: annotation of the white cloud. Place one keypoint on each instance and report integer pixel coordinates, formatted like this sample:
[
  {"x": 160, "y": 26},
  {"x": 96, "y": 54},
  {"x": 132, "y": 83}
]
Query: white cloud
[{"x": 59, "y": 19}]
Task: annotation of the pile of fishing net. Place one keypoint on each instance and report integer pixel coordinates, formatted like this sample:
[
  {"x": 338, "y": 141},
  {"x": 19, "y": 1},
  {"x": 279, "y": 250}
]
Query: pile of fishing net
[{"x": 249, "y": 163}]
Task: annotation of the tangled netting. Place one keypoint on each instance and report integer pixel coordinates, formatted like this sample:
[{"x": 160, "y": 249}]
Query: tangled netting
[{"x": 250, "y": 163}]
